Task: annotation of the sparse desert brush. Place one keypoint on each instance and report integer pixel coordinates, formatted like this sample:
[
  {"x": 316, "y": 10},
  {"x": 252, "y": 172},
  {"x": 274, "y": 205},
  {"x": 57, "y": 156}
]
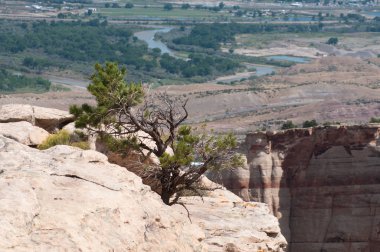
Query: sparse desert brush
[
  {"x": 374, "y": 120},
  {"x": 63, "y": 137},
  {"x": 82, "y": 144},
  {"x": 60, "y": 138},
  {"x": 288, "y": 125}
]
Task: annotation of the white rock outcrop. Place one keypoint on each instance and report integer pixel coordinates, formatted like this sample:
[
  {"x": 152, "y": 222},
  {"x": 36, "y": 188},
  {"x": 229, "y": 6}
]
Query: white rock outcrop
[
  {"x": 66, "y": 199},
  {"x": 46, "y": 118},
  {"x": 230, "y": 224},
  {"x": 24, "y": 132}
]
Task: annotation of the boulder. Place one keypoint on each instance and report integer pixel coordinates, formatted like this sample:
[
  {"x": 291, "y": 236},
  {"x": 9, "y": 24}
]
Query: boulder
[
  {"x": 24, "y": 132},
  {"x": 67, "y": 199},
  {"x": 46, "y": 118},
  {"x": 230, "y": 224}
]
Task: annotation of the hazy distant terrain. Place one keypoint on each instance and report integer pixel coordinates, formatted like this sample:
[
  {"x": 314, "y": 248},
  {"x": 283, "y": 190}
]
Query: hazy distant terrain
[
  {"x": 348, "y": 94},
  {"x": 244, "y": 66}
]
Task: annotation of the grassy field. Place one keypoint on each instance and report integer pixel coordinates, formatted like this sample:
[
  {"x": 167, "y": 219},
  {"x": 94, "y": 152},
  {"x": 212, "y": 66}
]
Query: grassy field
[
  {"x": 345, "y": 39},
  {"x": 259, "y": 40},
  {"x": 159, "y": 12}
]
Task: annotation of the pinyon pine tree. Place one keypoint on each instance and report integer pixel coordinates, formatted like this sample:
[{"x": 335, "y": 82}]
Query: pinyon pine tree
[{"x": 129, "y": 117}]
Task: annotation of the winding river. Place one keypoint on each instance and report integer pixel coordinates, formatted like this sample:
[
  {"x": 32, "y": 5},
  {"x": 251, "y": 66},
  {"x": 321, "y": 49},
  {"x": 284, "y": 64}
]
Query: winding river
[
  {"x": 148, "y": 37},
  {"x": 294, "y": 59},
  {"x": 261, "y": 70}
]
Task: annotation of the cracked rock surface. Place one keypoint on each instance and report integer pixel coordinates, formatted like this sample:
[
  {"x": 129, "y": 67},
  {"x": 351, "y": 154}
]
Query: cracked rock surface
[{"x": 66, "y": 199}]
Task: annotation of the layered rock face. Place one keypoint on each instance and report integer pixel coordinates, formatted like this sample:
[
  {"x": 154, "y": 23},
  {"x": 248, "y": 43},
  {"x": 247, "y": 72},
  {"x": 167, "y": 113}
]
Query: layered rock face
[{"x": 323, "y": 184}]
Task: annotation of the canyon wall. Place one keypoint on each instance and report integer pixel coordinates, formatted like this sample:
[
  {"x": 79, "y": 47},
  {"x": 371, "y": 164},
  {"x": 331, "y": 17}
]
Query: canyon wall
[{"x": 322, "y": 183}]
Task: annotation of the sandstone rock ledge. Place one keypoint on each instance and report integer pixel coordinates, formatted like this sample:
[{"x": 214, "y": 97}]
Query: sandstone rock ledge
[
  {"x": 235, "y": 226},
  {"x": 24, "y": 132},
  {"x": 46, "y": 118},
  {"x": 67, "y": 199}
]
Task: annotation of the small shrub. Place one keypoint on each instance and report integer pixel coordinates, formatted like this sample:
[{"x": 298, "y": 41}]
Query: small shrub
[
  {"x": 332, "y": 41},
  {"x": 288, "y": 125},
  {"x": 374, "y": 120},
  {"x": 168, "y": 6},
  {"x": 60, "y": 138},
  {"x": 185, "y": 6},
  {"x": 82, "y": 144},
  {"x": 331, "y": 123},
  {"x": 309, "y": 124},
  {"x": 63, "y": 137},
  {"x": 129, "y": 5}
]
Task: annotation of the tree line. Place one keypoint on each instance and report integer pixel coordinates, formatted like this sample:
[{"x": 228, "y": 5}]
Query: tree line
[
  {"x": 197, "y": 65},
  {"x": 95, "y": 40},
  {"x": 62, "y": 1},
  {"x": 212, "y": 35},
  {"x": 10, "y": 82}
]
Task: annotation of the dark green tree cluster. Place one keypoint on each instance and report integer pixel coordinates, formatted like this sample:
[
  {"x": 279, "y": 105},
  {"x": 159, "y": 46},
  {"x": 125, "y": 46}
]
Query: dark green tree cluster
[
  {"x": 332, "y": 41},
  {"x": 309, "y": 124},
  {"x": 374, "y": 120},
  {"x": 38, "y": 63},
  {"x": 113, "y": 5},
  {"x": 78, "y": 41},
  {"x": 124, "y": 109},
  {"x": 212, "y": 35},
  {"x": 373, "y": 27},
  {"x": 306, "y": 124},
  {"x": 288, "y": 125},
  {"x": 185, "y": 6},
  {"x": 354, "y": 17},
  {"x": 168, "y": 6},
  {"x": 10, "y": 83},
  {"x": 88, "y": 42},
  {"x": 129, "y": 5},
  {"x": 62, "y": 1},
  {"x": 197, "y": 65}
]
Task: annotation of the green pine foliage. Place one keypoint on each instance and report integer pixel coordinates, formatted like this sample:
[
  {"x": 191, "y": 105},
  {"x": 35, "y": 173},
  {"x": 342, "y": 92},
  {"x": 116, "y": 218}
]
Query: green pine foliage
[
  {"x": 110, "y": 90},
  {"x": 123, "y": 109}
]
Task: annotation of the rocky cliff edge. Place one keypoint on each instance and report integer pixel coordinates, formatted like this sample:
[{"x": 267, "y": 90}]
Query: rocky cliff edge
[{"x": 67, "y": 199}]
